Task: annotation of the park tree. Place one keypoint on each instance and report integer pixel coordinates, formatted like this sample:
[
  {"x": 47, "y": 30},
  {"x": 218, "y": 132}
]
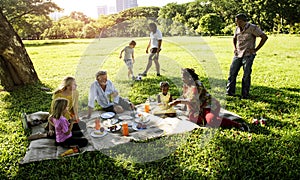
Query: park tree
[
  {"x": 210, "y": 24},
  {"x": 16, "y": 67}
]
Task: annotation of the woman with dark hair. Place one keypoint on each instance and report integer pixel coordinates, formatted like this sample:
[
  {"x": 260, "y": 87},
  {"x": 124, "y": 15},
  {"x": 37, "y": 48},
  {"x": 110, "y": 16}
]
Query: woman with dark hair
[{"x": 203, "y": 109}]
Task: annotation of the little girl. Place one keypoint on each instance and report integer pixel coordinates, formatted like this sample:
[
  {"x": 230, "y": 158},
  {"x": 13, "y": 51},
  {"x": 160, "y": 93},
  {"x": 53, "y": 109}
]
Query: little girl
[
  {"x": 63, "y": 129},
  {"x": 163, "y": 98}
]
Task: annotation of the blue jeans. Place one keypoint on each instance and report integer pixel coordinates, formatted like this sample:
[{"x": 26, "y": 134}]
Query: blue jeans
[{"x": 237, "y": 63}]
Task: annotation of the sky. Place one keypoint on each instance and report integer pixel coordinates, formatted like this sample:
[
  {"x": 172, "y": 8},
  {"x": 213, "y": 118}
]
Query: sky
[{"x": 89, "y": 7}]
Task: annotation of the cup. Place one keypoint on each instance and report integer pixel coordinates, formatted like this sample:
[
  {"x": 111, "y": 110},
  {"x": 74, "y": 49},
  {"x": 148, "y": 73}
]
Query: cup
[
  {"x": 147, "y": 108},
  {"x": 125, "y": 129},
  {"x": 97, "y": 124}
]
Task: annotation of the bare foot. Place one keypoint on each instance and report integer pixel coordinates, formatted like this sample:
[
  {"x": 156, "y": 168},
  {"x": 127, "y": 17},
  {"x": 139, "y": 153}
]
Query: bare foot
[{"x": 37, "y": 136}]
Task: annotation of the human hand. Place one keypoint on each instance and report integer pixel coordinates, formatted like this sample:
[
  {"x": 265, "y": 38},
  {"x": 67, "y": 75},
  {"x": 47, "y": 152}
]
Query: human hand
[
  {"x": 87, "y": 117},
  {"x": 252, "y": 51},
  {"x": 120, "y": 56},
  {"x": 114, "y": 94},
  {"x": 51, "y": 132},
  {"x": 147, "y": 51}
]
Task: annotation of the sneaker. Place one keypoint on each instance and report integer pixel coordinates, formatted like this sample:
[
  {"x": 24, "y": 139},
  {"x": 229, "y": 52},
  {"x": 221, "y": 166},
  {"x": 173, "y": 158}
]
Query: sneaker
[
  {"x": 158, "y": 74},
  {"x": 143, "y": 74},
  {"x": 244, "y": 127}
]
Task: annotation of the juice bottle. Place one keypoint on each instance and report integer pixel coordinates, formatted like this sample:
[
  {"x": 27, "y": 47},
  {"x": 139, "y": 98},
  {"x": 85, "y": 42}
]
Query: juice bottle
[
  {"x": 125, "y": 129},
  {"x": 97, "y": 124},
  {"x": 147, "y": 107}
]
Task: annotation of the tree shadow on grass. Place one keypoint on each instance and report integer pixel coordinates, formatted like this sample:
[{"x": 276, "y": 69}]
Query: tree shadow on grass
[
  {"x": 278, "y": 106},
  {"x": 258, "y": 157}
]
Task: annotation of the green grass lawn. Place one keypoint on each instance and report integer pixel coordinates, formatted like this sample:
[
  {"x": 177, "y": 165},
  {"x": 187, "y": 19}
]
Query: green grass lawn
[{"x": 266, "y": 152}]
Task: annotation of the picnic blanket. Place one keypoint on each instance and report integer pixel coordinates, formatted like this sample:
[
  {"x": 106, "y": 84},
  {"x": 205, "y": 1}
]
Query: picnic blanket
[{"x": 43, "y": 149}]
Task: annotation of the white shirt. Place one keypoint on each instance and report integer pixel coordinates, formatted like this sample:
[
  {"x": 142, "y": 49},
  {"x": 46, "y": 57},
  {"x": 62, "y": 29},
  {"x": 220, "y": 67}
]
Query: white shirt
[
  {"x": 154, "y": 38},
  {"x": 102, "y": 97}
]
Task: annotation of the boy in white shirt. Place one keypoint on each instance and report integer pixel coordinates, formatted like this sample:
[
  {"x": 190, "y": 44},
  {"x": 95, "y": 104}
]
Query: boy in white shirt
[{"x": 129, "y": 57}]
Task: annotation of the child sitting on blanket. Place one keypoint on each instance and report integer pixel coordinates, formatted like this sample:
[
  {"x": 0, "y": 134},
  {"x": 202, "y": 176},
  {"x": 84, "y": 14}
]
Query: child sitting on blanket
[
  {"x": 163, "y": 98},
  {"x": 63, "y": 129}
]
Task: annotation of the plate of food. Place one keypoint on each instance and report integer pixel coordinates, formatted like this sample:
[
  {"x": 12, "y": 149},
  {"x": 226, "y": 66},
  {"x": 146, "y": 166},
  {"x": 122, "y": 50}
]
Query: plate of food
[
  {"x": 125, "y": 117},
  {"x": 142, "y": 119},
  {"x": 110, "y": 122},
  {"x": 114, "y": 128},
  {"x": 139, "y": 126},
  {"x": 107, "y": 115},
  {"x": 99, "y": 133}
]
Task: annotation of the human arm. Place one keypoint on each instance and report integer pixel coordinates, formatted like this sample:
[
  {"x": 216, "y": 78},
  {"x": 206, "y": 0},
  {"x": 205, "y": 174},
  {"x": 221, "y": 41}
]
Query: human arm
[
  {"x": 159, "y": 46},
  {"x": 51, "y": 126},
  {"x": 70, "y": 127},
  {"x": 179, "y": 101},
  {"x": 147, "y": 50},
  {"x": 158, "y": 99},
  {"x": 263, "y": 40},
  {"x": 121, "y": 54},
  {"x": 75, "y": 105},
  {"x": 91, "y": 101},
  {"x": 234, "y": 45},
  {"x": 132, "y": 57}
]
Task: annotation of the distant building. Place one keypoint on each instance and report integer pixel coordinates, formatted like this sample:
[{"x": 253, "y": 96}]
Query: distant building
[
  {"x": 112, "y": 10},
  {"x": 56, "y": 15},
  {"x": 102, "y": 10},
  {"x": 125, "y": 4}
]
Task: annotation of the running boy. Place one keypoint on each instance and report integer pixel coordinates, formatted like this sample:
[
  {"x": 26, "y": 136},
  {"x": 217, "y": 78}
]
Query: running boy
[{"x": 129, "y": 58}]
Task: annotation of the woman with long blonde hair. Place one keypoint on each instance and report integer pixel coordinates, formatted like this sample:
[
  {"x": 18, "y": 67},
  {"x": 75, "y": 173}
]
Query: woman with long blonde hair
[{"x": 66, "y": 90}]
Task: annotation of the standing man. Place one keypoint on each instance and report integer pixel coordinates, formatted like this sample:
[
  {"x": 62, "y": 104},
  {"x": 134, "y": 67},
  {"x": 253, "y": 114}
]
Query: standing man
[
  {"x": 155, "y": 47},
  {"x": 244, "y": 53}
]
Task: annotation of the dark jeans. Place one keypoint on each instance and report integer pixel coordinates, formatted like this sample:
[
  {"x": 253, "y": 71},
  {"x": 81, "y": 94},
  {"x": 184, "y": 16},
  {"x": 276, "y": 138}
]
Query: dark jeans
[
  {"x": 236, "y": 64},
  {"x": 75, "y": 140}
]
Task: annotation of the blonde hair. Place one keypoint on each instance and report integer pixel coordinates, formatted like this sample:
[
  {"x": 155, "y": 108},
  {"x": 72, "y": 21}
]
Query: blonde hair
[
  {"x": 65, "y": 83},
  {"x": 59, "y": 106}
]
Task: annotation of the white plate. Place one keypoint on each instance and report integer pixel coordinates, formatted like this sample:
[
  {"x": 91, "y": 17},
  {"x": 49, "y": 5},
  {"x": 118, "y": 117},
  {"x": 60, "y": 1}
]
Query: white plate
[
  {"x": 125, "y": 117},
  {"x": 98, "y": 135},
  {"x": 139, "y": 120},
  {"x": 110, "y": 122},
  {"x": 107, "y": 115},
  {"x": 117, "y": 129},
  {"x": 128, "y": 122},
  {"x": 134, "y": 127}
]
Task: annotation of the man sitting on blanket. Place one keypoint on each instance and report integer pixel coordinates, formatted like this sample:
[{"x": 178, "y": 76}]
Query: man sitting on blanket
[{"x": 104, "y": 92}]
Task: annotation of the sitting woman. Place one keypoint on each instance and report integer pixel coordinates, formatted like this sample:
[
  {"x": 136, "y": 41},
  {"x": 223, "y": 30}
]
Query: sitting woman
[
  {"x": 63, "y": 128},
  {"x": 202, "y": 108},
  {"x": 68, "y": 91}
]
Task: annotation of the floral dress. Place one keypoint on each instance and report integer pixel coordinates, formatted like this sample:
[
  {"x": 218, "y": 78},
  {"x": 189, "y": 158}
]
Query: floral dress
[{"x": 199, "y": 101}]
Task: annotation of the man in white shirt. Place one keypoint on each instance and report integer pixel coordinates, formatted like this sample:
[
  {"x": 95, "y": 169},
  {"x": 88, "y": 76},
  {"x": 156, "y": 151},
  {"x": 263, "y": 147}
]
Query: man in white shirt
[
  {"x": 155, "y": 47},
  {"x": 104, "y": 92}
]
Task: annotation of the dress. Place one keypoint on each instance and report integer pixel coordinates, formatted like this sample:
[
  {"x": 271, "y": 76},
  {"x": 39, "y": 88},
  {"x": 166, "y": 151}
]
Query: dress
[{"x": 203, "y": 109}]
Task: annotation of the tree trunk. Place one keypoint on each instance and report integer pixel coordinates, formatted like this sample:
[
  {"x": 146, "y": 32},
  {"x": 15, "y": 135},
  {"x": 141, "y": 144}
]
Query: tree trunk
[{"x": 16, "y": 68}]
